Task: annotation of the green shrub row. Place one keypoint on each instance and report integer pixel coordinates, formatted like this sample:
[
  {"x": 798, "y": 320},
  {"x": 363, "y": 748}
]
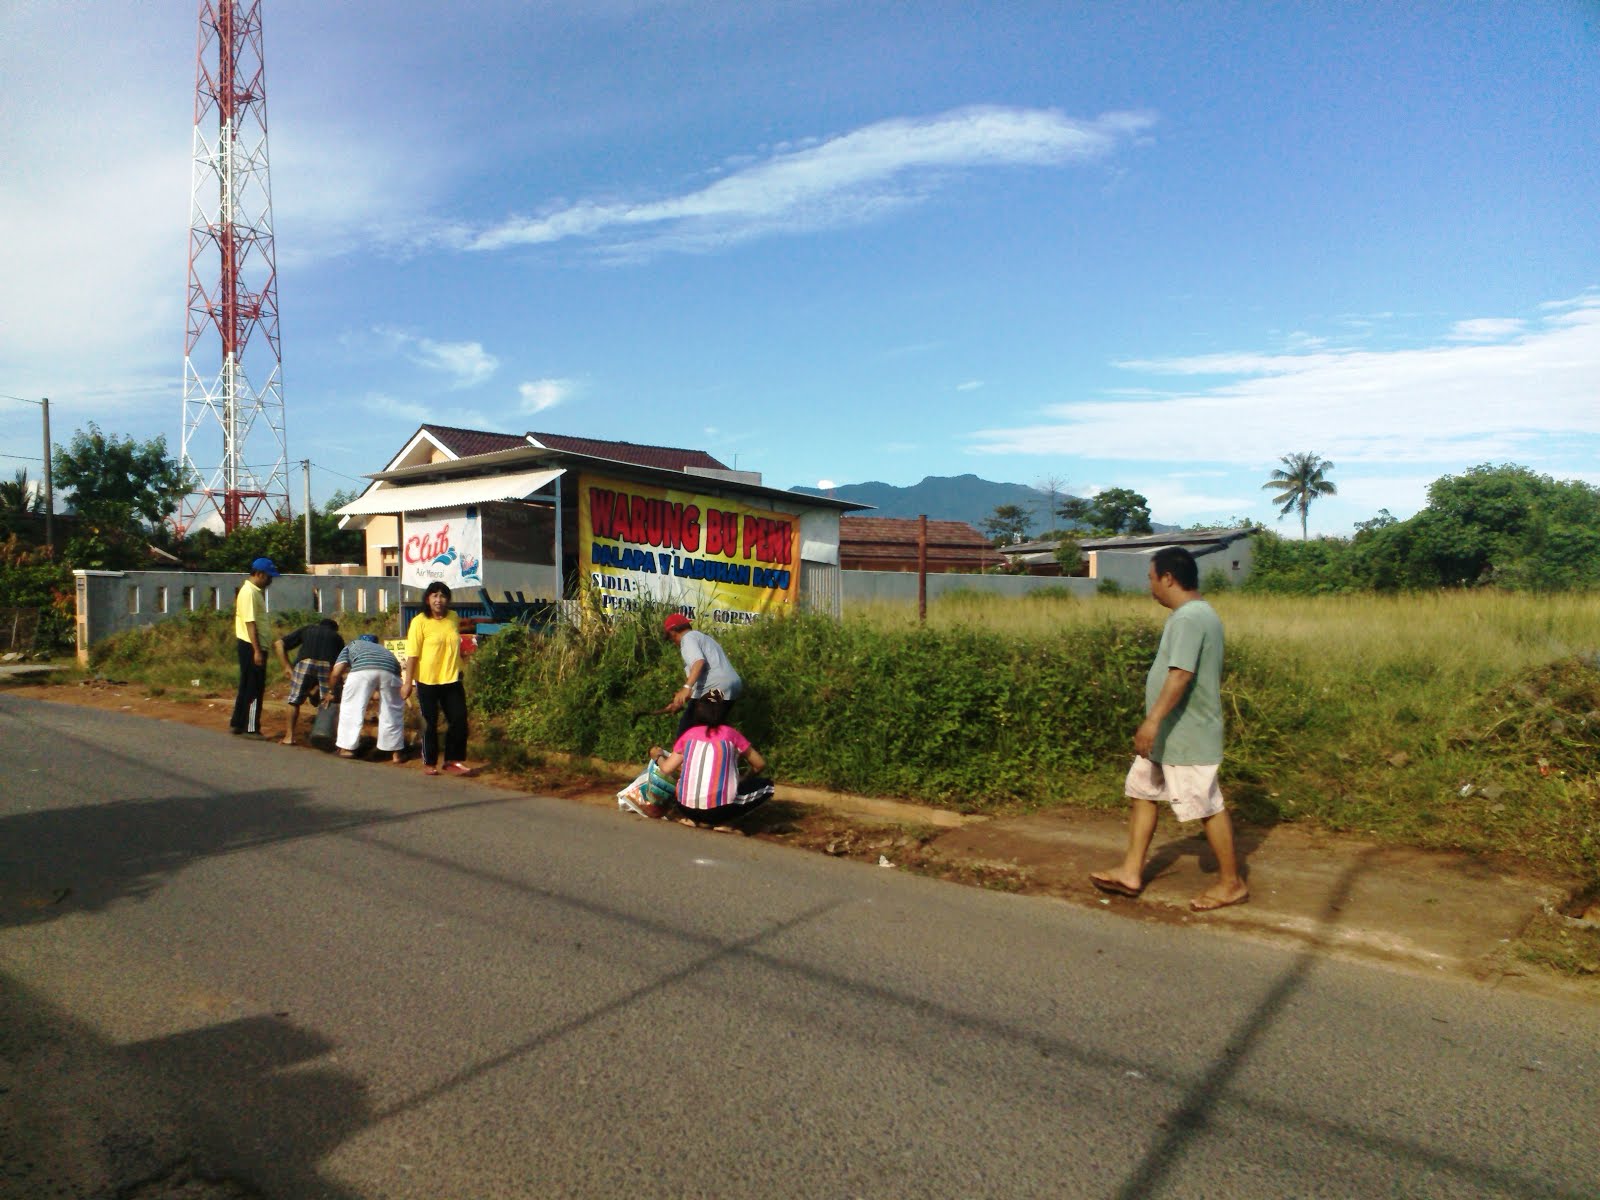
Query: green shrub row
[
  {"x": 983, "y": 720},
  {"x": 965, "y": 717}
]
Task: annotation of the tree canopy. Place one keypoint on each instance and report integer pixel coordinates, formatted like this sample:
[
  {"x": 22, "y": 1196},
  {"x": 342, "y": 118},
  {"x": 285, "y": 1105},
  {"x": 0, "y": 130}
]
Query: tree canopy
[
  {"x": 1110, "y": 512},
  {"x": 1008, "y": 523},
  {"x": 1490, "y": 526},
  {"x": 120, "y": 489}
]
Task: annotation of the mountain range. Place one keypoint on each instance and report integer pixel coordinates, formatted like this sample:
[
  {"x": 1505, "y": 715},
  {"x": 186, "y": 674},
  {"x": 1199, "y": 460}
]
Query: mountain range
[{"x": 951, "y": 498}]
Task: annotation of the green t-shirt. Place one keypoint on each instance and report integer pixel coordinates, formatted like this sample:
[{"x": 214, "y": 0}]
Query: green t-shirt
[{"x": 1191, "y": 734}]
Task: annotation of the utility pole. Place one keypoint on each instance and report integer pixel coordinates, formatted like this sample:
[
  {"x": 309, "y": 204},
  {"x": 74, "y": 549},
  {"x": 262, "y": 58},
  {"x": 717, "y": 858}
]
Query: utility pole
[
  {"x": 306, "y": 464},
  {"x": 49, "y": 491}
]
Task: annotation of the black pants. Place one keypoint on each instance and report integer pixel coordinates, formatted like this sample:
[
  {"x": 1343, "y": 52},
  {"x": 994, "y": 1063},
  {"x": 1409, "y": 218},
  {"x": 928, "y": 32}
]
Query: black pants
[
  {"x": 452, "y": 698},
  {"x": 252, "y": 688}
]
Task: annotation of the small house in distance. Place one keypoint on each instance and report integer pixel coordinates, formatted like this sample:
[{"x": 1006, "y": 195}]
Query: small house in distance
[
  {"x": 1126, "y": 560},
  {"x": 890, "y": 544}
]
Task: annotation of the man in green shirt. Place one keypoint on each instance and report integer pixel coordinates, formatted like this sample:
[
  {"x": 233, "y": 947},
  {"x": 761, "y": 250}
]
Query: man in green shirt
[{"x": 1178, "y": 746}]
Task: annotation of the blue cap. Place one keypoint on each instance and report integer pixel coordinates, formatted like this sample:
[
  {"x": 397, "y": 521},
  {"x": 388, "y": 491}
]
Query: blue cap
[
  {"x": 368, "y": 637},
  {"x": 265, "y": 565}
]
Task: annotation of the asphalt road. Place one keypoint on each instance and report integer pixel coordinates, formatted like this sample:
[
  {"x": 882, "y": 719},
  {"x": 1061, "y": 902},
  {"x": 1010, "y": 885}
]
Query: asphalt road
[{"x": 326, "y": 979}]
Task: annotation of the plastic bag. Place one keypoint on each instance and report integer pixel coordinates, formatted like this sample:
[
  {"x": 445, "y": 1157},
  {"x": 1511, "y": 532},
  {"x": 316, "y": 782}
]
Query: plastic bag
[{"x": 325, "y": 728}]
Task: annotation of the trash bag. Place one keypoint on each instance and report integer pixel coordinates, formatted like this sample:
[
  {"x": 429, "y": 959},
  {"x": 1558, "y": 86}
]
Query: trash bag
[
  {"x": 650, "y": 788},
  {"x": 325, "y": 728}
]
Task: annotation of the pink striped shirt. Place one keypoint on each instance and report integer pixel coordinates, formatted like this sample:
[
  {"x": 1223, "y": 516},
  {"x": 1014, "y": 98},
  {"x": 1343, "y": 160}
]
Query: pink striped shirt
[{"x": 709, "y": 777}]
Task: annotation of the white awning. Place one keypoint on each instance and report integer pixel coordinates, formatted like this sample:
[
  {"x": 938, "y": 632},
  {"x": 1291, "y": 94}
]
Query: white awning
[{"x": 453, "y": 493}]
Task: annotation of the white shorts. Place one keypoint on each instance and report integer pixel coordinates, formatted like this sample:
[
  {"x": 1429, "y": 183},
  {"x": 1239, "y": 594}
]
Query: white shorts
[{"x": 1191, "y": 790}]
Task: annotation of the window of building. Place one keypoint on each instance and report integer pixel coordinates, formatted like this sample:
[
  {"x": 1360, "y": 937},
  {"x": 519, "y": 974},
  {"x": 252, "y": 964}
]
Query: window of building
[{"x": 133, "y": 600}]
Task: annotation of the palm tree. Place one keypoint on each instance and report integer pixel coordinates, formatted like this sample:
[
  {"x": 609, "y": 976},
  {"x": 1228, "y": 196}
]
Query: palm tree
[
  {"x": 1302, "y": 479},
  {"x": 19, "y": 498}
]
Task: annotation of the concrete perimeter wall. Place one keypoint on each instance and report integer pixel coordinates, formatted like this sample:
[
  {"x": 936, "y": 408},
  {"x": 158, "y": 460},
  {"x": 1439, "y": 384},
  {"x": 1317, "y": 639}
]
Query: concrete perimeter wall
[
  {"x": 112, "y": 601},
  {"x": 869, "y": 587}
]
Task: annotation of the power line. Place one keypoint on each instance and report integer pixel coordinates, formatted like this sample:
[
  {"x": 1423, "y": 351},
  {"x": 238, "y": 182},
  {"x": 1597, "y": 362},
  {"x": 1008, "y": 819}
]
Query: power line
[{"x": 340, "y": 474}]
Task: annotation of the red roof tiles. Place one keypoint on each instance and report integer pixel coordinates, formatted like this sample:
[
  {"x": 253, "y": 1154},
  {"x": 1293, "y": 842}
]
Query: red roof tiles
[
  {"x": 670, "y": 458},
  {"x": 890, "y": 544}
]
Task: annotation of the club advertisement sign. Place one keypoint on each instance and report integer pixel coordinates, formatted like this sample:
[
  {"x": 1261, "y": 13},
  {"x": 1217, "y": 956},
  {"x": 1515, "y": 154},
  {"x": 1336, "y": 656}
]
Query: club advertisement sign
[
  {"x": 720, "y": 560},
  {"x": 446, "y": 546}
]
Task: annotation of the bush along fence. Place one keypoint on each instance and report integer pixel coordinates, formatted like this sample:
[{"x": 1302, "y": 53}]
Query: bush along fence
[{"x": 980, "y": 720}]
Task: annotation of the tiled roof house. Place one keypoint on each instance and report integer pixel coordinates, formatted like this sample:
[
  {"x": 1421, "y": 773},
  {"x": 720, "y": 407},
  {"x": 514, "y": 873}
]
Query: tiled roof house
[{"x": 890, "y": 544}]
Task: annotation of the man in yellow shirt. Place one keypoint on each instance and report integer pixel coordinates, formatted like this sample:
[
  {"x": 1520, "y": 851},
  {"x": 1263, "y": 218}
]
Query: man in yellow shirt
[{"x": 250, "y": 632}]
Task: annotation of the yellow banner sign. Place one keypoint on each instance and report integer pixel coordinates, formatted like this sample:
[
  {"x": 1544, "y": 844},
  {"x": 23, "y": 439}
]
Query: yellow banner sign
[{"x": 716, "y": 559}]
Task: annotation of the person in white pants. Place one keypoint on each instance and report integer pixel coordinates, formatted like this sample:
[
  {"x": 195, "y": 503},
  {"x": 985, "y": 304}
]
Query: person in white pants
[{"x": 364, "y": 667}]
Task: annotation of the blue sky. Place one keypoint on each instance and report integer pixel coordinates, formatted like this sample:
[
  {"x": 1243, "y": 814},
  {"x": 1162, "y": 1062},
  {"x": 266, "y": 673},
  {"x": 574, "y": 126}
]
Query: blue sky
[{"x": 1154, "y": 246}]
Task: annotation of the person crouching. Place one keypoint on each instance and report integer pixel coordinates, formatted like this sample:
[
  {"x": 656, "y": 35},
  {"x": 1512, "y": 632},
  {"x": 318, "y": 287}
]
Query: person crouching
[{"x": 705, "y": 763}]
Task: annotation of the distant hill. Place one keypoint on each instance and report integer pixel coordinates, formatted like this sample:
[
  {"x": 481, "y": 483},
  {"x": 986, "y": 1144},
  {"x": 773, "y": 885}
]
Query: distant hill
[{"x": 950, "y": 498}]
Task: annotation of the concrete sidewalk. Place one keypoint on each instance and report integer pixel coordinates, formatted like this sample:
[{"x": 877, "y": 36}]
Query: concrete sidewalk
[{"x": 1445, "y": 910}]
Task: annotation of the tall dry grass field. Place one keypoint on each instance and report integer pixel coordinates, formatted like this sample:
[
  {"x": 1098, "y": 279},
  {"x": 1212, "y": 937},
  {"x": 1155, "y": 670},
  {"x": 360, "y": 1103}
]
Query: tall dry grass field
[{"x": 1454, "y": 719}]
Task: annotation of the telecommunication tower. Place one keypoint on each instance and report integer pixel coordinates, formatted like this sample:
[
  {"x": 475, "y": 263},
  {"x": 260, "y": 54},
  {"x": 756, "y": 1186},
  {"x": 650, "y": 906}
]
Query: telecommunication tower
[{"x": 232, "y": 333}]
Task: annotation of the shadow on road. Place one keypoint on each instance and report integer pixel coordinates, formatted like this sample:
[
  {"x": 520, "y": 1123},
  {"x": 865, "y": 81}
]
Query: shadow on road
[
  {"x": 1185, "y": 1127},
  {"x": 82, "y": 859},
  {"x": 189, "y": 1114}
]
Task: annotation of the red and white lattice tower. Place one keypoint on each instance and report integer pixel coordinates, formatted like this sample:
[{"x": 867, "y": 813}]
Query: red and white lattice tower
[{"x": 234, "y": 442}]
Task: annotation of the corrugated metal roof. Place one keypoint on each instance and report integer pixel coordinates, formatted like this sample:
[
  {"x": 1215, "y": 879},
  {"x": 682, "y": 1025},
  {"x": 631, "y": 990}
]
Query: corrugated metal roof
[{"x": 452, "y": 493}]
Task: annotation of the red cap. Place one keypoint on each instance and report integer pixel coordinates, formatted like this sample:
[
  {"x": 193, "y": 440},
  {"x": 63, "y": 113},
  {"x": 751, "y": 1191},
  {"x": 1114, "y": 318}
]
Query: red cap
[{"x": 675, "y": 622}]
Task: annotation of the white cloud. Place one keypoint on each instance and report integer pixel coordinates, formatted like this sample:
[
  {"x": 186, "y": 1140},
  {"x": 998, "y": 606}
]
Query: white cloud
[
  {"x": 1171, "y": 500},
  {"x": 826, "y": 485},
  {"x": 414, "y": 412},
  {"x": 1448, "y": 403},
  {"x": 971, "y": 385},
  {"x": 847, "y": 180},
  {"x": 1486, "y": 329},
  {"x": 540, "y": 394},
  {"x": 464, "y": 364}
]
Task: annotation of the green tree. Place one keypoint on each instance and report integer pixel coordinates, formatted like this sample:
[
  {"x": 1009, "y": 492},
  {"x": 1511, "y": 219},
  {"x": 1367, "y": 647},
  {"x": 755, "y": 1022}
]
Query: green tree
[
  {"x": 329, "y": 543},
  {"x": 120, "y": 490},
  {"x": 1069, "y": 555},
  {"x": 1008, "y": 523},
  {"x": 1301, "y": 480},
  {"x": 20, "y": 498},
  {"x": 1504, "y": 525},
  {"x": 1110, "y": 512}
]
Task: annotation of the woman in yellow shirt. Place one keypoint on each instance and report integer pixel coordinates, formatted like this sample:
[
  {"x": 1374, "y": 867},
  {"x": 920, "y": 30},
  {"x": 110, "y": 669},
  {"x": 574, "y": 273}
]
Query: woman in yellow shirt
[{"x": 433, "y": 667}]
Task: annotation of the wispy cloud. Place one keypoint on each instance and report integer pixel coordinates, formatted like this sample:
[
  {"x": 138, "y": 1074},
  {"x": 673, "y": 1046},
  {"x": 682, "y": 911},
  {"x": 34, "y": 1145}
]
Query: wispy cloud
[
  {"x": 384, "y": 405},
  {"x": 463, "y": 364},
  {"x": 1448, "y": 403},
  {"x": 970, "y": 385},
  {"x": 540, "y": 394},
  {"x": 847, "y": 180},
  {"x": 1486, "y": 329}
]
